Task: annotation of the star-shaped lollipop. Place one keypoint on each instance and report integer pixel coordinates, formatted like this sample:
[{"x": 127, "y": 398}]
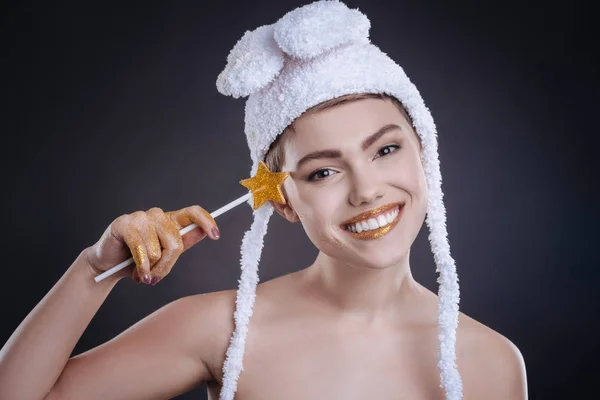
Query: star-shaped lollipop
[{"x": 264, "y": 186}]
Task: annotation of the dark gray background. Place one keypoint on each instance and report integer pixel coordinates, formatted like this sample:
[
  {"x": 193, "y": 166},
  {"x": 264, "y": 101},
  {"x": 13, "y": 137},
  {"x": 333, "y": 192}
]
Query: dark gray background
[{"x": 112, "y": 108}]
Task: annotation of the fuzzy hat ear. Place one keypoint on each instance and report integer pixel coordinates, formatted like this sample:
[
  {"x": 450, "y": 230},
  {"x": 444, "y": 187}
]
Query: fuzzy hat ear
[
  {"x": 316, "y": 28},
  {"x": 254, "y": 61}
]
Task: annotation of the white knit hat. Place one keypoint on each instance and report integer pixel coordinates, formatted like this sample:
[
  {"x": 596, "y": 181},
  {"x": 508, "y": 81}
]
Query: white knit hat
[{"x": 313, "y": 54}]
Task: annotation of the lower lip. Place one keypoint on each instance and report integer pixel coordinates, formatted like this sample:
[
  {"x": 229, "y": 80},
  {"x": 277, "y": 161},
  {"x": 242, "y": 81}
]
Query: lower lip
[{"x": 379, "y": 232}]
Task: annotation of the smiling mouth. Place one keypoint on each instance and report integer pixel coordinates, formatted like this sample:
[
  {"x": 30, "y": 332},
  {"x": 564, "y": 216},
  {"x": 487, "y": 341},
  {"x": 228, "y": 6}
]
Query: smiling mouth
[{"x": 375, "y": 223}]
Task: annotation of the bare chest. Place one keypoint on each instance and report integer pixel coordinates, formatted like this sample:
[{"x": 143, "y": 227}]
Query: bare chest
[{"x": 301, "y": 359}]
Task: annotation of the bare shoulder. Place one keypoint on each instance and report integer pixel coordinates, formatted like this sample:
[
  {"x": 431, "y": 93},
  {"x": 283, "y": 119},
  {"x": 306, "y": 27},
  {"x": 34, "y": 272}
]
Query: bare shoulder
[
  {"x": 491, "y": 366},
  {"x": 211, "y": 320},
  {"x": 215, "y": 305}
]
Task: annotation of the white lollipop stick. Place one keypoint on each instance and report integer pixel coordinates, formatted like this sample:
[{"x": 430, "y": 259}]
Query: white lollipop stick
[{"x": 182, "y": 231}]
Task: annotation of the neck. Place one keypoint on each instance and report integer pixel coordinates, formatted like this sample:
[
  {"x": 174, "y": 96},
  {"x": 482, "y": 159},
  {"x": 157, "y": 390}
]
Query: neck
[{"x": 359, "y": 292}]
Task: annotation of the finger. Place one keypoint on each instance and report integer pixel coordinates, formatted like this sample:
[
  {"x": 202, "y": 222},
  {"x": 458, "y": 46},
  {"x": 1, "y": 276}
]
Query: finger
[
  {"x": 149, "y": 235},
  {"x": 171, "y": 226},
  {"x": 172, "y": 244},
  {"x": 135, "y": 276},
  {"x": 199, "y": 216},
  {"x": 153, "y": 248},
  {"x": 136, "y": 245}
]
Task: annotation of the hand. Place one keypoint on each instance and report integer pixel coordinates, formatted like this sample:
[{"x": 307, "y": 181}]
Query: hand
[{"x": 153, "y": 238}]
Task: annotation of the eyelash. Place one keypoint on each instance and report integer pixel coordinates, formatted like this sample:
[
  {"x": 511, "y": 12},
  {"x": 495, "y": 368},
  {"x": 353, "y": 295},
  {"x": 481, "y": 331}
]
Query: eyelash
[{"x": 311, "y": 177}]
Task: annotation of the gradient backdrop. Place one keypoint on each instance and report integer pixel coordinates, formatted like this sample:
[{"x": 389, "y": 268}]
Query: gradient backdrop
[{"x": 110, "y": 108}]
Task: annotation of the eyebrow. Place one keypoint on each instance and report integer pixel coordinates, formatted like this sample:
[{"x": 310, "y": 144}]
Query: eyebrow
[{"x": 332, "y": 153}]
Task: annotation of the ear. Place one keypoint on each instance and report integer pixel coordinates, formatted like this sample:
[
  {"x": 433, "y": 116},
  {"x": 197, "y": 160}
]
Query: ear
[{"x": 285, "y": 210}]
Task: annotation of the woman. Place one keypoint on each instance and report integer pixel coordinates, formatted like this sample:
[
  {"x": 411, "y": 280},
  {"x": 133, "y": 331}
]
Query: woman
[{"x": 359, "y": 145}]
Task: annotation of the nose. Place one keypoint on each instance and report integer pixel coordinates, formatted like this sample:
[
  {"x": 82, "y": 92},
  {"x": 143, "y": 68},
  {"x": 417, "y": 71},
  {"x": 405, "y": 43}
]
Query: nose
[{"x": 366, "y": 186}]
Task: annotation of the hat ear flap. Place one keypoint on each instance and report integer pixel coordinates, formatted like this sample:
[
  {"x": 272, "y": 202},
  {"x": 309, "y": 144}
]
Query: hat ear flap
[{"x": 251, "y": 251}]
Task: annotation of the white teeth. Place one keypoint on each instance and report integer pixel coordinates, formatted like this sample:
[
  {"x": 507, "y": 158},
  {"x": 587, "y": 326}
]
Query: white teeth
[{"x": 373, "y": 223}]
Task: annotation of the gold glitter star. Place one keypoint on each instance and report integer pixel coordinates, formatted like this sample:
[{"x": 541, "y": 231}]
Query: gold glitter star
[{"x": 265, "y": 185}]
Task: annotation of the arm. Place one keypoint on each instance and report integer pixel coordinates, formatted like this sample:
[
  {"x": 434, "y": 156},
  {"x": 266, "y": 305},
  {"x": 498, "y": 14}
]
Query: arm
[
  {"x": 35, "y": 354},
  {"x": 158, "y": 357}
]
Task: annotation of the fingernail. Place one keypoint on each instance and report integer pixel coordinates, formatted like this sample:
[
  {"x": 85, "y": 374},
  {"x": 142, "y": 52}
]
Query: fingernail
[
  {"x": 147, "y": 279},
  {"x": 154, "y": 280},
  {"x": 215, "y": 232}
]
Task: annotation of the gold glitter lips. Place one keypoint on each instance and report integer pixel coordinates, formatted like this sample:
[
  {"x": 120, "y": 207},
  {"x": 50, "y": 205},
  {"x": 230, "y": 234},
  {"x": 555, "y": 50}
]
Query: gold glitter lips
[{"x": 375, "y": 223}]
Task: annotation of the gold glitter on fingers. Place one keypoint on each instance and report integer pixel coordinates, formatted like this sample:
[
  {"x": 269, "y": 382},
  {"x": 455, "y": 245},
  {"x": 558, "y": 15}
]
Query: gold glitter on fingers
[
  {"x": 180, "y": 218},
  {"x": 207, "y": 215},
  {"x": 171, "y": 224},
  {"x": 173, "y": 231},
  {"x": 140, "y": 259},
  {"x": 166, "y": 233},
  {"x": 134, "y": 241},
  {"x": 202, "y": 218},
  {"x": 150, "y": 234},
  {"x": 174, "y": 244},
  {"x": 154, "y": 247},
  {"x": 214, "y": 231}
]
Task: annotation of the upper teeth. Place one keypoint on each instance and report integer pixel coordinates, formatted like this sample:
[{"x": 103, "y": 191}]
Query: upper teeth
[{"x": 373, "y": 223}]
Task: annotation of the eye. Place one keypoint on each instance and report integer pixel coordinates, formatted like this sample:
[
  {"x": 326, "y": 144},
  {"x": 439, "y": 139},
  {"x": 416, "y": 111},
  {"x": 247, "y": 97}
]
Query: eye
[
  {"x": 384, "y": 151},
  {"x": 320, "y": 174}
]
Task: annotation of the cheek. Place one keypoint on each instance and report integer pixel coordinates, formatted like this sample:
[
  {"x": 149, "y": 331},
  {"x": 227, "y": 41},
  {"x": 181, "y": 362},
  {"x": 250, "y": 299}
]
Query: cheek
[
  {"x": 415, "y": 184},
  {"x": 419, "y": 182},
  {"x": 411, "y": 176},
  {"x": 317, "y": 212},
  {"x": 319, "y": 215}
]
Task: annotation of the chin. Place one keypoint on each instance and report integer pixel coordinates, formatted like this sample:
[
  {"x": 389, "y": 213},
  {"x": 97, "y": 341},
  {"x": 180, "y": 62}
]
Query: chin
[
  {"x": 371, "y": 260},
  {"x": 391, "y": 261},
  {"x": 385, "y": 252}
]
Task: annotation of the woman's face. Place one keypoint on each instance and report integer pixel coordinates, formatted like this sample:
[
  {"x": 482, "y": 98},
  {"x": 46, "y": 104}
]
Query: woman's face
[{"x": 355, "y": 158}]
